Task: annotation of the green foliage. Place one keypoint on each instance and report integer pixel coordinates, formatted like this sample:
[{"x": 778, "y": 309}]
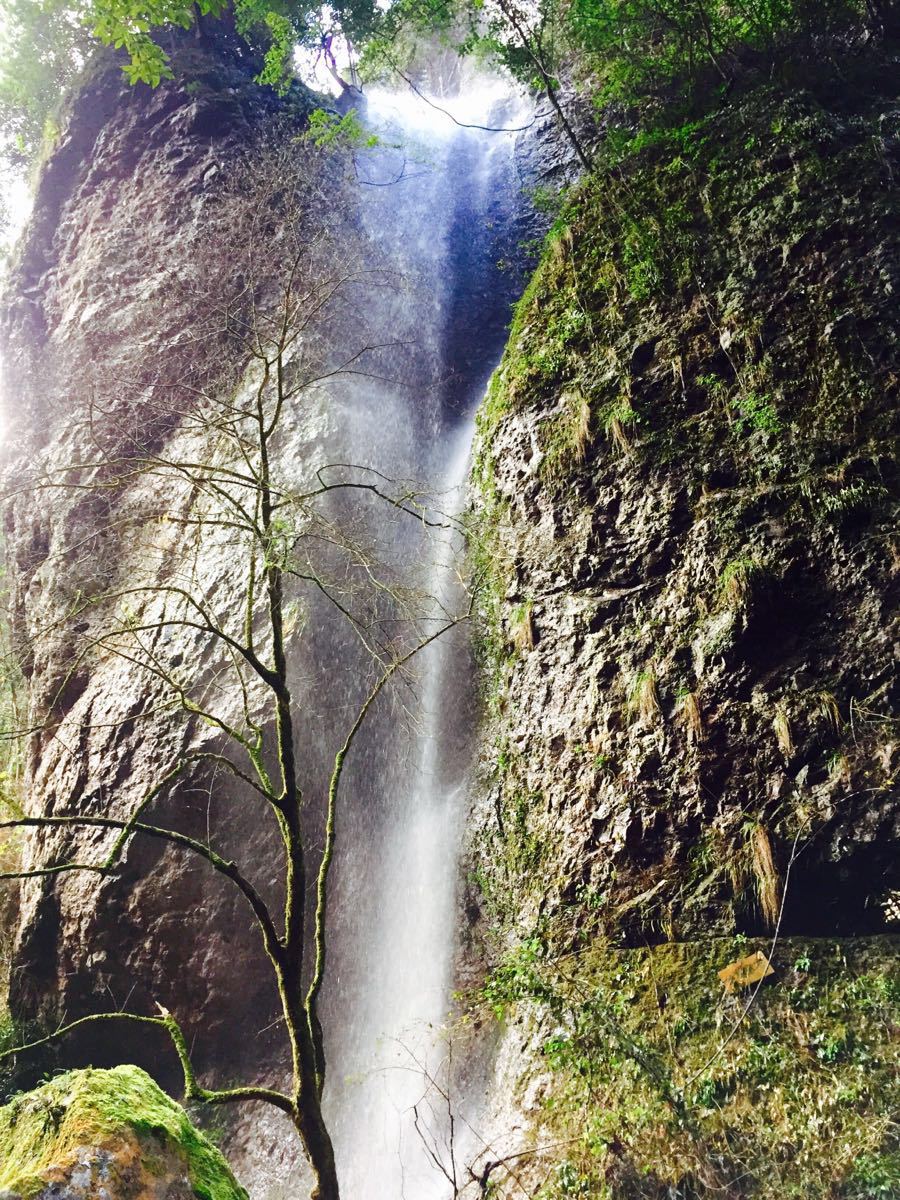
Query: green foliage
[
  {"x": 42, "y": 1128},
  {"x": 630, "y": 49},
  {"x": 46, "y": 43},
  {"x": 516, "y": 978},
  {"x": 737, "y": 579},
  {"x": 277, "y": 64},
  {"x": 834, "y": 503},
  {"x": 127, "y": 24},
  {"x": 329, "y": 131},
  {"x": 641, "y": 255},
  {"x": 548, "y": 200},
  {"x": 566, "y": 440},
  {"x": 641, "y": 49},
  {"x": 43, "y": 44},
  {"x": 633, "y": 52},
  {"x": 647, "y": 1076},
  {"x": 756, "y": 413}
]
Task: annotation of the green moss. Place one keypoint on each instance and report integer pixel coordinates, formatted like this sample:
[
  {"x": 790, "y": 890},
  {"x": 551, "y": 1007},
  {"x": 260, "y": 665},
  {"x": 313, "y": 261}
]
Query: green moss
[
  {"x": 680, "y": 223},
  {"x": 92, "y": 1107},
  {"x": 661, "y": 1080}
]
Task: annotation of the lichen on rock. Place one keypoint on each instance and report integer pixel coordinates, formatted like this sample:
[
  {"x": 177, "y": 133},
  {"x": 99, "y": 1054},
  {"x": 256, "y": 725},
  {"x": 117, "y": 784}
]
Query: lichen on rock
[{"x": 111, "y": 1134}]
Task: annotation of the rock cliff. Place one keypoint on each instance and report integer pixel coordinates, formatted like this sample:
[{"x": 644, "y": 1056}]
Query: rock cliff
[
  {"x": 685, "y": 491},
  {"x": 107, "y": 332}
]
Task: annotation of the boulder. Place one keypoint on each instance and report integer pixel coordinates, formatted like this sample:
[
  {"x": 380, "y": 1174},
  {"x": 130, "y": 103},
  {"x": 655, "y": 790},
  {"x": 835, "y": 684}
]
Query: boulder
[{"x": 107, "y": 1135}]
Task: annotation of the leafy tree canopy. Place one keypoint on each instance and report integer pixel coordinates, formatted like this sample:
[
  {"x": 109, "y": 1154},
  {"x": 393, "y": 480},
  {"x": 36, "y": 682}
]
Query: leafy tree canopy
[
  {"x": 627, "y": 51},
  {"x": 43, "y": 45}
]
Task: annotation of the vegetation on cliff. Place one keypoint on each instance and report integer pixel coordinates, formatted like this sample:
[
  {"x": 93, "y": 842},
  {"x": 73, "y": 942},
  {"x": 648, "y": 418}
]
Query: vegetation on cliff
[
  {"x": 704, "y": 331},
  {"x": 646, "y": 1079}
]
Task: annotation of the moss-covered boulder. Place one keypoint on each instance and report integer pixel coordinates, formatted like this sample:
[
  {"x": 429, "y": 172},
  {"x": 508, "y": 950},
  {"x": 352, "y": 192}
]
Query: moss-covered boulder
[{"x": 113, "y": 1134}]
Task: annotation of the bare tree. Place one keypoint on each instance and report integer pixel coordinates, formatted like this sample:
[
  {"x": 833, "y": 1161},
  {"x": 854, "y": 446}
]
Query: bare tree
[{"x": 213, "y": 454}]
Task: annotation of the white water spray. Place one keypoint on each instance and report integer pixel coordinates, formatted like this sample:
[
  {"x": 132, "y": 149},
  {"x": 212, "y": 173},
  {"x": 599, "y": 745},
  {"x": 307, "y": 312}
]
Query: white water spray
[
  {"x": 443, "y": 223},
  {"x": 439, "y": 202}
]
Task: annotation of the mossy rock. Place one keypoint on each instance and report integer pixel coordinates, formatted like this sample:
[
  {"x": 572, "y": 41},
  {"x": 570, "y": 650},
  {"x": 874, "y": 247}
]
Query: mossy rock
[
  {"x": 110, "y": 1133},
  {"x": 660, "y": 1083}
]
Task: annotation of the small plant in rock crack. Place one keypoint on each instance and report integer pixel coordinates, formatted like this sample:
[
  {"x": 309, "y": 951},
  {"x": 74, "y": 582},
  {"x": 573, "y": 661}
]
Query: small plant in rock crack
[
  {"x": 521, "y": 627},
  {"x": 643, "y": 697},
  {"x": 618, "y": 418},
  {"x": 765, "y": 873},
  {"x": 756, "y": 413},
  {"x": 830, "y": 710},
  {"x": 737, "y": 580},
  {"x": 567, "y": 438},
  {"x": 838, "y": 765}
]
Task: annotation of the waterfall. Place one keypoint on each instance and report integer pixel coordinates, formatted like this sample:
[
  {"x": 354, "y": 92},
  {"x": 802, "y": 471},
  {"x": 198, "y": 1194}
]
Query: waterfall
[
  {"x": 440, "y": 205},
  {"x": 446, "y": 223}
]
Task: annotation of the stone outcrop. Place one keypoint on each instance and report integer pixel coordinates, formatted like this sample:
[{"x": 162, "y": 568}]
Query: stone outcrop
[
  {"x": 110, "y": 1134},
  {"x": 105, "y": 338},
  {"x": 685, "y": 486}
]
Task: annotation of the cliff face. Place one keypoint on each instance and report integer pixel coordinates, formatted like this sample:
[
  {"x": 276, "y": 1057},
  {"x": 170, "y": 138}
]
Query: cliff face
[
  {"x": 685, "y": 478},
  {"x": 684, "y": 487},
  {"x": 107, "y": 341}
]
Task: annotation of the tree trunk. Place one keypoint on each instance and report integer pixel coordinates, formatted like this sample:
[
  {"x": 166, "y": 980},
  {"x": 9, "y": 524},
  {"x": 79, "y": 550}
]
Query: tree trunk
[{"x": 320, "y": 1152}]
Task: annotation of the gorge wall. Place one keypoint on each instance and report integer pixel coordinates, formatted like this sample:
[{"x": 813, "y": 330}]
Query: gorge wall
[
  {"x": 685, "y": 491},
  {"x": 681, "y": 493},
  {"x": 100, "y": 300}
]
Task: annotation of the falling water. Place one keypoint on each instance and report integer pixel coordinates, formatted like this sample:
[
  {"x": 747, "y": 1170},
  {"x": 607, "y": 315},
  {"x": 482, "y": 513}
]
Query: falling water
[
  {"x": 447, "y": 223},
  {"x": 440, "y": 205}
]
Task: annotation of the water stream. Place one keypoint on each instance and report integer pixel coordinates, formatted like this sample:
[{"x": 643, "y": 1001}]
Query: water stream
[
  {"x": 440, "y": 207},
  {"x": 449, "y": 224}
]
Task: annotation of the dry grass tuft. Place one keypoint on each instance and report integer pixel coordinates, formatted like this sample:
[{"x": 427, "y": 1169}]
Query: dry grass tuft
[
  {"x": 782, "y": 727},
  {"x": 522, "y": 631},
  {"x": 828, "y": 707},
  {"x": 689, "y": 711},
  {"x": 768, "y": 883},
  {"x": 567, "y": 438},
  {"x": 736, "y": 581},
  {"x": 643, "y": 698},
  {"x": 615, "y": 431},
  {"x": 580, "y": 429},
  {"x": 839, "y": 768}
]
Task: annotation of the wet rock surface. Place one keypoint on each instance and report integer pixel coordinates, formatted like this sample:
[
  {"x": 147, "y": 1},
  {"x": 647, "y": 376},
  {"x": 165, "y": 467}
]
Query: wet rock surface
[{"x": 99, "y": 325}]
